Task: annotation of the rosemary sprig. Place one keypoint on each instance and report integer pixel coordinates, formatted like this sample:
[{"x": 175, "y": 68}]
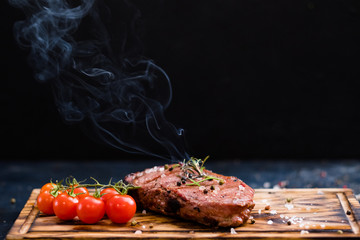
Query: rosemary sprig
[
  {"x": 71, "y": 183},
  {"x": 193, "y": 169},
  {"x": 119, "y": 186},
  {"x": 207, "y": 178}
]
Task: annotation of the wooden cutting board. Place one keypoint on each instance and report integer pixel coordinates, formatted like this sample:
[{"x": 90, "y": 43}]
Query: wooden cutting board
[{"x": 313, "y": 213}]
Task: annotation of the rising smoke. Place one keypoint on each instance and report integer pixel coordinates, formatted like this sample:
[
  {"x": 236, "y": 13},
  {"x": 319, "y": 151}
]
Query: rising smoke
[{"x": 100, "y": 81}]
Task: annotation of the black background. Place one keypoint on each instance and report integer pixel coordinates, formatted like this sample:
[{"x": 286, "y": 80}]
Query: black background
[{"x": 251, "y": 79}]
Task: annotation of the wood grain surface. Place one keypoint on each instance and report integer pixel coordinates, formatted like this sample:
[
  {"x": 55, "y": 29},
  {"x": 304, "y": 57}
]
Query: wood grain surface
[{"x": 294, "y": 213}]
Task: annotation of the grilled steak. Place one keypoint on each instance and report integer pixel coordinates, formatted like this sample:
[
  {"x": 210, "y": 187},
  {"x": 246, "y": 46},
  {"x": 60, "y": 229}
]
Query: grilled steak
[{"x": 202, "y": 196}]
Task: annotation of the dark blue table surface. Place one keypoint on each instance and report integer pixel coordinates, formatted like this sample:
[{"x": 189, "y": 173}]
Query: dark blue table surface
[{"x": 18, "y": 178}]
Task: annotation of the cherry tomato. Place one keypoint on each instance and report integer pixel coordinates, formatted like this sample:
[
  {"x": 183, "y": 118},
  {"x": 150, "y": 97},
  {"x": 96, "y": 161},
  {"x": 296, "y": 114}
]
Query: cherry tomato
[
  {"x": 45, "y": 203},
  {"x": 90, "y": 209},
  {"x": 80, "y": 192},
  {"x": 107, "y": 193},
  {"x": 64, "y": 206},
  {"x": 120, "y": 208},
  {"x": 47, "y": 187}
]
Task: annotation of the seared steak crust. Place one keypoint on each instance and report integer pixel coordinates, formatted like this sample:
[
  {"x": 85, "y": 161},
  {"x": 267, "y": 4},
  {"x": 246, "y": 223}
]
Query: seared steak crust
[{"x": 225, "y": 203}]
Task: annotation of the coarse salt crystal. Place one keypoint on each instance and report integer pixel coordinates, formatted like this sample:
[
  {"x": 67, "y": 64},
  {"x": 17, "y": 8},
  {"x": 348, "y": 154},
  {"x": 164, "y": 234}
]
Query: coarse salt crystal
[
  {"x": 241, "y": 188},
  {"x": 138, "y": 232},
  {"x": 143, "y": 211},
  {"x": 304, "y": 232},
  {"x": 270, "y": 222},
  {"x": 232, "y": 231},
  {"x": 143, "y": 226},
  {"x": 276, "y": 186},
  {"x": 322, "y": 225},
  {"x": 357, "y": 196},
  {"x": 289, "y": 206},
  {"x": 259, "y": 211},
  {"x": 320, "y": 192},
  {"x": 273, "y": 212},
  {"x": 237, "y": 201},
  {"x": 161, "y": 169},
  {"x": 281, "y": 215}
]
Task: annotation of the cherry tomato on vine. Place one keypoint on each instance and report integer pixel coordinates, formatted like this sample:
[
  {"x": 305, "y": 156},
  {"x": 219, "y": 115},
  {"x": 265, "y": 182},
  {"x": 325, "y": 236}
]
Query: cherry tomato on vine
[
  {"x": 45, "y": 202},
  {"x": 64, "y": 206},
  {"x": 90, "y": 209},
  {"x": 80, "y": 192},
  {"x": 47, "y": 187},
  {"x": 107, "y": 193},
  {"x": 120, "y": 208}
]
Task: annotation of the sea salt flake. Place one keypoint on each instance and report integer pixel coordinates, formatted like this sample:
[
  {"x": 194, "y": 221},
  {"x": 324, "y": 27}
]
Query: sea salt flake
[
  {"x": 270, "y": 222},
  {"x": 232, "y": 231},
  {"x": 322, "y": 225},
  {"x": 281, "y": 215},
  {"x": 138, "y": 232},
  {"x": 273, "y": 212},
  {"x": 320, "y": 192},
  {"x": 241, "y": 188},
  {"x": 259, "y": 211},
  {"x": 238, "y": 201},
  {"x": 143, "y": 211},
  {"x": 276, "y": 186},
  {"x": 357, "y": 196},
  {"x": 304, "y": 232},
  {"x": 289, "y": 206}
]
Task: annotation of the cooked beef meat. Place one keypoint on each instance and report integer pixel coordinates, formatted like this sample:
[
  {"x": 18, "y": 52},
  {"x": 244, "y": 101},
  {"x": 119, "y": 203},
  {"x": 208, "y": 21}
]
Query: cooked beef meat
[{"x": 220, "y": 202}]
